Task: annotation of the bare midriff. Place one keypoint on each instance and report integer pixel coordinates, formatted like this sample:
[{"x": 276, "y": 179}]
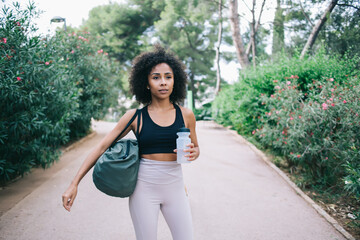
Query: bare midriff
[{"x": 160, "y": 156}]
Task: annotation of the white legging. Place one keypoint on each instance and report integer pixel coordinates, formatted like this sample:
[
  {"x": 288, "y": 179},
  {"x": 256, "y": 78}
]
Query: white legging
[{"x": 160, "y": 186}]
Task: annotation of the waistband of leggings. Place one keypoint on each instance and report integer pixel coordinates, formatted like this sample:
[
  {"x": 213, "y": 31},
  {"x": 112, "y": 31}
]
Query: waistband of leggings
[{"x": 157, "y": 162}]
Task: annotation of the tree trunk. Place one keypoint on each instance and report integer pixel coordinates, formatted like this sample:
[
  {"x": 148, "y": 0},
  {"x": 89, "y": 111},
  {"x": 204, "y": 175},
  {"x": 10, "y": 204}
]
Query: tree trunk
[
  {"x": 249, "y": 46},
  {"x": 253, "y": 34},
  {"x": 218, "y": 74},
  {"x": 317, "y": 28},
  {"x": 236, "y": 36},
  {"x": 278, "y": 30}
]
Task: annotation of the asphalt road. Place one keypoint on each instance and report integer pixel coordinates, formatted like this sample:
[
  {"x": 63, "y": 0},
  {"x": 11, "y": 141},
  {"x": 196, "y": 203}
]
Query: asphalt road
[{"x": 233, "y": 194}]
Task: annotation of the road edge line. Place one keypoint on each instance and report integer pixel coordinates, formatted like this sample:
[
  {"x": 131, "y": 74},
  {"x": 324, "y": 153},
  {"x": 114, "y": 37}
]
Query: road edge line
[{"x": 311, "y": 202}]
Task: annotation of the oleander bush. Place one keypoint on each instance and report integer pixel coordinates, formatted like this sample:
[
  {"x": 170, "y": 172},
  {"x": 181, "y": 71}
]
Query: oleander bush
[
  {"x": 239, "y": 104},
  {"x": 93, "y": 74},
  {"x": 50, "y": 89},
  {"x": 318, "y": 131},
  {"x": 306, "y": 111}
]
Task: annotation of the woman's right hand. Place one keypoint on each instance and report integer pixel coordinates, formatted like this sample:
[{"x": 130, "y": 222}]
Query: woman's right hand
[{"x": 69, "y": 196}]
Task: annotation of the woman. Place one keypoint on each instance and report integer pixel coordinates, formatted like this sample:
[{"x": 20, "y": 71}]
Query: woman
[{"x": 158, "y": 81}]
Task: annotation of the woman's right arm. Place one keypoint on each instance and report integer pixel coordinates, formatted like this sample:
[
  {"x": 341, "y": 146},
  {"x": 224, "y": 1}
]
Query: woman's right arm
[{"x": 69, "y": 195}]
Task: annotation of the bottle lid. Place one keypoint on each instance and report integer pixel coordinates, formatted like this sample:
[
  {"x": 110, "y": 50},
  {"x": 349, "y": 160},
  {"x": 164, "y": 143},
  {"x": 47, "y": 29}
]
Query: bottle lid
[{"x": 183, "y": 129}]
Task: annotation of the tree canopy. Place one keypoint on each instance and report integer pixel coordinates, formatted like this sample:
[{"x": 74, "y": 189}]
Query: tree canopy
[{"x": 189, "y": 28}]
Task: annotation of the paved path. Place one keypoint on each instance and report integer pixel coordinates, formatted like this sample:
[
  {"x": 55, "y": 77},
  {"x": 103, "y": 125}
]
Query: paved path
[{"x": 234, "y": 195}]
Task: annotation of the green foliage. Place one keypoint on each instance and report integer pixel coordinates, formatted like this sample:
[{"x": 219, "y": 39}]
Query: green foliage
[
  {"x": 318, "y": 130},
  {"x": 49, "y": 87},
  {"x": 242, "y": 102},
  {"x": 352, "y": 169},
  {"x": 342, "y": 34},
  {"x": 307, "y": 111},
  {"x": 122, "y": 26},
  {"x": 278, "y": 30},
  {"x": 339, "y": 35},
  {"x": 187, "y": 29},
  {"x": 90, "y": 69},
  {"x": 203, "y": 113}
]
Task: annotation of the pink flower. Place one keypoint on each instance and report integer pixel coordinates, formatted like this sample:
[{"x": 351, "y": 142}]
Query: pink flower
[
  {"x": 298, "y": 155},
  {"x": 326, "y": 158},
  {"x": 291, "y": 153},
  {"x": 47, "y": 63},
  {"x": 106, "y": 54},
  {"x": 291, "y": 118},
  {"x": 332, "y": 89},
  {"x": 253, "y": 132},
  {"x": 331, "y": 99},
  {"x": 332, "y": 104},
  {"x": 18, "y": 23},
  {"x": 299, "y": 117},
  {"x": 285, "y": 142},
  {"x": 269, "y": 114},
  {"x": 340, "y": 98},
  {"x": 275, "y": 81},
  {"x": 4, "y": 40},
  {"x": 331, "y": 79},
  {"x": 277, "y": 87},
  {"x": 100, "y": 51},
  {"x": 288, "y": 82},
  {"x": 344, "y": 101},
  {"x": 277, "y": 112},
  {"x": 324, "y": 106},
  {"x": 282, "y": 132},
  {"x": 18, "y": 78},
  {"x": 272, "y": 96}
]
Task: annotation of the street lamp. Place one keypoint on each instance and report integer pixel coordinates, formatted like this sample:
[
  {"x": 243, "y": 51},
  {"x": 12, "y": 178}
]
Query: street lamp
[{"x": 59, "y": 19}]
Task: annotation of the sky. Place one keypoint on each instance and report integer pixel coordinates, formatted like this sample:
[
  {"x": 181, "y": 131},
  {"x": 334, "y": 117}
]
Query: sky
[{"x": 76, "y": 11}]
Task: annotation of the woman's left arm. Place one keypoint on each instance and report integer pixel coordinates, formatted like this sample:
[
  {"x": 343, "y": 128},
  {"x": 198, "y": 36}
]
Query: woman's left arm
[{"x": 194, "y": 150}]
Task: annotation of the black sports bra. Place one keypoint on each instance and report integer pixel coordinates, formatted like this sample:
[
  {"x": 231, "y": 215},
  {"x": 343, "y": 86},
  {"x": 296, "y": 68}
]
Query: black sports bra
[{"x": 157, "y": 139}]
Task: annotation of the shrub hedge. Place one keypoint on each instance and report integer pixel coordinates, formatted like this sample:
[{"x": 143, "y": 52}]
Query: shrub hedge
[
  {"x": 50, "y": 89},
  {"x": 239, "y": 104},
  {"x": 305, "y": 110}
]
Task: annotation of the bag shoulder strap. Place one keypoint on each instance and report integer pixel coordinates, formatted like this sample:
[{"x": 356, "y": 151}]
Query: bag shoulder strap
[{"x": 137, "y": 113}]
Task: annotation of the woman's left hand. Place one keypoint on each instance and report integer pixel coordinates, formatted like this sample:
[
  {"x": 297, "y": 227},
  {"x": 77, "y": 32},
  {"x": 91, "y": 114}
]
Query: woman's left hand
[{"x": 193, "y": 152}]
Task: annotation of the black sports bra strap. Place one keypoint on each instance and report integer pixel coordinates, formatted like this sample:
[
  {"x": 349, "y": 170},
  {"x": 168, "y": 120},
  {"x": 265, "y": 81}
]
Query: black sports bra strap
[
  {"x": 128, "y": 125},
  {"x": 138, "y": 112},
  {"x": 179, "y": 113}
]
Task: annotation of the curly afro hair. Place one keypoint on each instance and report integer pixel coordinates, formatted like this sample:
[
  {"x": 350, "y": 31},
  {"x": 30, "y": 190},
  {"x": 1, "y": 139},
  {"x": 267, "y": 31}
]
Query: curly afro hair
[{"x": 142, "y": 66}]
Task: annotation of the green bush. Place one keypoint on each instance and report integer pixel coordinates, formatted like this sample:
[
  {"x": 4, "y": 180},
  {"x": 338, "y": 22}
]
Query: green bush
[
  {"x": 203, "y": 113},
  {"x": 240, "y": 106},
  {"x": 50, "y": 89},
  {"x": 304, "y": 110},
  {"x": 93, "y": 74},
  {"x": 318, "y": 131}
]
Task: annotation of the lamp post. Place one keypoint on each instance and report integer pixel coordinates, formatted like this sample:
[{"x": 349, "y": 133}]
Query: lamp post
[{"x": 59, "y": 19}]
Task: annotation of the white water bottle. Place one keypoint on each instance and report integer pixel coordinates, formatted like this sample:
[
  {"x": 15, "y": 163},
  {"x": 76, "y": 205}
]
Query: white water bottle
[{"x": 181, "y": 143}]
